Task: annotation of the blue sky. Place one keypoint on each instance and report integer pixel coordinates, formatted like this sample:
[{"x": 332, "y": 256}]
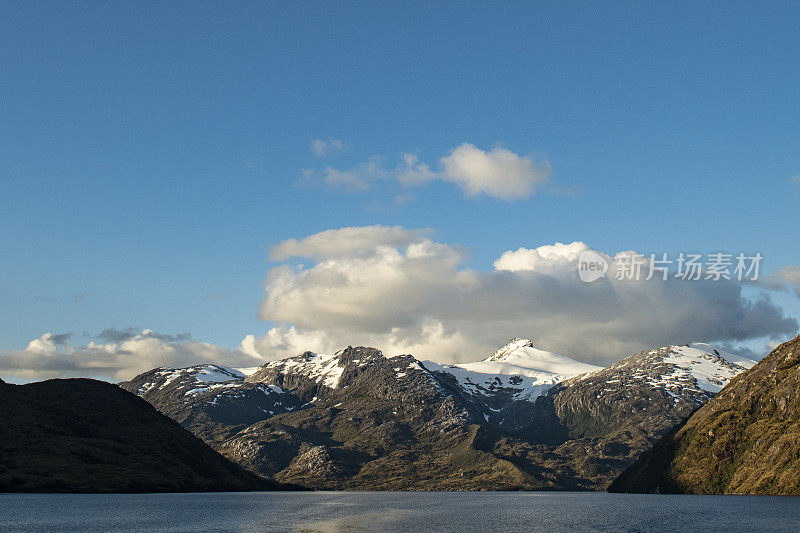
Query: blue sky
[{"x": 151, "y": 153}]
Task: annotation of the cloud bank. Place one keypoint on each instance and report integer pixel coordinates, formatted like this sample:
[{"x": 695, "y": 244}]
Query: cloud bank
[
  {"x": 125, "y": 355},
  {"x": 399, "y": 290}
]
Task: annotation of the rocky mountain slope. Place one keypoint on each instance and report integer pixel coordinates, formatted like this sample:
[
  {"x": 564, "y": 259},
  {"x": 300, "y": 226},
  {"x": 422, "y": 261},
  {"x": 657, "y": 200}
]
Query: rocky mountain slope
[
  {"x": 521, "y": 418},
  {"x": 211, "y": 400},
  {"x": 746, "y": 440},
  {"x": 613, "y": 415},
  {"x": 81, "y": 435}
]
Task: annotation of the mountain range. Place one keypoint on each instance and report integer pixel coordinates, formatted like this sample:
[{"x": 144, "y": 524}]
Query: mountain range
[{"x": 522, "y": 418}]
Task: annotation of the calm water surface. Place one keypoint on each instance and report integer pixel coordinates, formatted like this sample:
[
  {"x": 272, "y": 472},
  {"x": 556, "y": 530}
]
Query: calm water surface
[{"x": 396, "y": 511}]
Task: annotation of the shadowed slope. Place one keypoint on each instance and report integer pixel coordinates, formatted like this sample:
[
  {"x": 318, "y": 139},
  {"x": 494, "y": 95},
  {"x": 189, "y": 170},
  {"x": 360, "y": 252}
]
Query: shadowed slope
[{"x": 82, "y": 435}]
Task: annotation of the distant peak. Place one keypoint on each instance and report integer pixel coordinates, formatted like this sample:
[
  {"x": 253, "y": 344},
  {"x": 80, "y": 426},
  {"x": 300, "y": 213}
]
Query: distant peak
[
  {"x": 695, "y": 349},
  {"x": 511, "y": 346}
]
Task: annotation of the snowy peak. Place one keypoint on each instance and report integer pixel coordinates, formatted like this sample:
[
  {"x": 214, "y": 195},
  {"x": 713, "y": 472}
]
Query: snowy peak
[
  {"x": 510, "y": 347},
  {"x": 517, "y": 371},
  {"x": 683, "y": 370},
  {"x": 520, "y": 354}
]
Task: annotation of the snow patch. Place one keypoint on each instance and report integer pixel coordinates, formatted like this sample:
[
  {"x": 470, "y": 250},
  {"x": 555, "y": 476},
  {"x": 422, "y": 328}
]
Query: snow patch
[
  {"x": 324, "y": 369},
  {"x": 711, "y": 368},
  {"x": 217, "y": 373}
]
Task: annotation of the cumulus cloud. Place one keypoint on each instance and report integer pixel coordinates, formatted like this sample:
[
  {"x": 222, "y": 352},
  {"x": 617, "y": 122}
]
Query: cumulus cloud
[
  {"x": 322, "y": 148},
  {"x": 499, "y": 173},
  {"x": 43, "y": 345},
  {"x": 412, "y": 171},
  {"x": 286, "y": 341},
  {"x": 344, "y": 242},
  {"x": 49, "y": 356},
  {"x": 400, "y": 291},
  {"x": 545, "y": 259}
]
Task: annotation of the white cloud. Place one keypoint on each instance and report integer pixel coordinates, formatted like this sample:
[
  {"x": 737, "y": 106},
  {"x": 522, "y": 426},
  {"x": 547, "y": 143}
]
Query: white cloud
[
  {"x": 43, "y": 345},
  {"x": 498, "y": 173},
  {"x": 286, "y": 341},
  {"x": 402, "y": 292},
  {"x": 542, "y": 259},
  {"x": 133, "y": 354},
  {"x": 322, "y": 148},
  {"x": 357, "y": 178},
  {"x": 414, "y": 172}
]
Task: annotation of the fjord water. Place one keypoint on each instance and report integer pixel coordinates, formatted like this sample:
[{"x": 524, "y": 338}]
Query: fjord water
[{"x": 395, "y": 511}]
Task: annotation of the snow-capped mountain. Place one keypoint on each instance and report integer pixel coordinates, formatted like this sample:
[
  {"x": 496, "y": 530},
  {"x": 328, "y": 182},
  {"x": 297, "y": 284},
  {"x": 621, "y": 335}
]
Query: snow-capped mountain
[
  {"x": 193, "y": 377},
  {"x": 518, "y": 370},
  {"x": 693, "y": 371},
  {"x": 207, "y": 398},
  {"x": 523, "y": 417},
  {"x": 615, "y": 413},
  {"x": 711, "y": 368}
]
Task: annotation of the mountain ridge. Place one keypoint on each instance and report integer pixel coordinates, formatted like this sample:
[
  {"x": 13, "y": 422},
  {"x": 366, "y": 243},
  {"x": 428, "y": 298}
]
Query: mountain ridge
[{"x": 338, "y": 421}]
